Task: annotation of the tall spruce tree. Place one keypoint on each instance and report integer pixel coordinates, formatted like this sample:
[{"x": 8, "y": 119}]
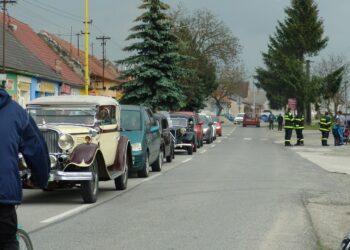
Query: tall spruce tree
[
  {"x": 153, "y": 69},
  {"x": 286, "y": 73}
]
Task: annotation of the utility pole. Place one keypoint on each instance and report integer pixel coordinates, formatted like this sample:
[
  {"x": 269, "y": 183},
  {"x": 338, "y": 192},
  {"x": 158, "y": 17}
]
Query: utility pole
[
  {"x": 103, "y": 43},
  {"x": 86, "y": 33},
  {"x": 78, "y": 41},
  {"x": 4, "y": 3}
]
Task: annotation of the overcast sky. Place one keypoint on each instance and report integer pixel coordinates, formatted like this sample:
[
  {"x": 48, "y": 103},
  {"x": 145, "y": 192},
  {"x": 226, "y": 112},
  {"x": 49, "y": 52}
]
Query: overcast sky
[{"x": 251, "y": 21}]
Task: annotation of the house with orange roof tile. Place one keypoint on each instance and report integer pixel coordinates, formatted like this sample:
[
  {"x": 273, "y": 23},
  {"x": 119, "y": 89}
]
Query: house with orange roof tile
[
  {"x": 102, "y": 77},
  {"x": 71, "y": 82},
  {"x": 26, "y": 76}
]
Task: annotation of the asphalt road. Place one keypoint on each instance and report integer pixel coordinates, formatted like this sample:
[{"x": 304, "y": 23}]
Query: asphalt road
[{"x": 242, "y": 192}]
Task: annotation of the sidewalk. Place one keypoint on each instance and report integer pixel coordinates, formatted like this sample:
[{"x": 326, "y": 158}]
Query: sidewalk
[{"x": 333, "y": 159}]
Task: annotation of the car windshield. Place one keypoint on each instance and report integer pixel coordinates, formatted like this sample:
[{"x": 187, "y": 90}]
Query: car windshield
[
  {"x": 179, "y": 122},
  {"x": 130, "y": 120},
  {"x": 240, "y": 115},
  {"x": 81, "y": 115}
]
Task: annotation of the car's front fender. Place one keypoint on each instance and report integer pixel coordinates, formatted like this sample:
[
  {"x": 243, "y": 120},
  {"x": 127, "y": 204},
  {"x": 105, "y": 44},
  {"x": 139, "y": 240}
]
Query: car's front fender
[{"x": 83, "y": 155}]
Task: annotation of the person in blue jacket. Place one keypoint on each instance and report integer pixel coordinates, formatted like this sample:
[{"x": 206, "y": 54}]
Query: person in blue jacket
[{"x": 18, "y": 134}]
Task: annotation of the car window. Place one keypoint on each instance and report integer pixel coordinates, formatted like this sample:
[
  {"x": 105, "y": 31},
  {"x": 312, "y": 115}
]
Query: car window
[
  {"x": 153, "y": 121},
  {"x": 106, "y": 115},
  {"x": 131, "y": 120}
]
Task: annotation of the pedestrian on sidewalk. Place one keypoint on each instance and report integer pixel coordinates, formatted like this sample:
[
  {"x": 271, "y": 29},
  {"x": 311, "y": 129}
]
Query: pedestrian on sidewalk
[
  {"x": 271, "y": 120},
  {"x": 299, "y": 127},
  {"x": 280, "y": 122},
  {"x": 340, "y": 123},
  {"x": 325, "y": 127},
  {"x": 288, "y": 127}
]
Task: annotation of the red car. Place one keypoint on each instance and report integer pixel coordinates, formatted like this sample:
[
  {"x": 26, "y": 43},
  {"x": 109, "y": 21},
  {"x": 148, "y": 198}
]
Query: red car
[
  {"x": 251, "y": 119},
  {"x": 217, "y": 123},
  {"x": 197, "y": 125}
]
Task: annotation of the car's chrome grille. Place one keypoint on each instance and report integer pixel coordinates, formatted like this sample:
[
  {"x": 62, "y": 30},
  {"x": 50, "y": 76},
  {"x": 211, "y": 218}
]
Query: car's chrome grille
[{"x": 51, "y": 138}]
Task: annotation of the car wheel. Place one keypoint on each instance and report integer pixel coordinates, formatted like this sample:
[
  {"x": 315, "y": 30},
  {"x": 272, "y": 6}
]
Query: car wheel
[
  {"x": 157, "y": 165},
  {"x": 170, "y": 157},
  {"x": 145, "y": 170},
  {"x": 190, "y": 150},
  {"x": 194, "y": 147},
  {"x": 121, "y": 182},
  {"x": 89, "y": 189}
]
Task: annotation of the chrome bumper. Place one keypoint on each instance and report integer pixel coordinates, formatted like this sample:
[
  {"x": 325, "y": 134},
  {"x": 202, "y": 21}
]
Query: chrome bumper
[
  {"x": 183, "y": 145},
  {"x": 70, "y": 176}
]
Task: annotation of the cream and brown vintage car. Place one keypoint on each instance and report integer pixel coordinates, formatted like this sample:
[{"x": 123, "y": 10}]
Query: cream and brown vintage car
[{"x": 83, "y": 137}]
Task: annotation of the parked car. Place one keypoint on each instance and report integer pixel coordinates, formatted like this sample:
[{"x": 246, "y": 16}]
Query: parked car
[
  {"x": 239, "y": 118},
  {"x": 84, "y": 141},
  {"x": 207, "y": 129},
  {"x": 230, "y": 117},
  {"x": 218, "y": 124},
  {"x": 264, "y": 116},
  {"x": 251, "y": 119},
  {"x": 197, "y": 126},
  {"x": 168, "y": 140},
  {"x": 213, "y": 131},
  {"x": 183, "y": 132},
  {"x": 142, "y": 129}
]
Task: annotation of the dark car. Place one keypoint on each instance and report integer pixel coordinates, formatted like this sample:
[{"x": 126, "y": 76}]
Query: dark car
[
  {"x": 142, "y": 129},
  {"x": 207, "y": 129},
  {"x": 184, "y": 134},
  {"x": 167, "y": 143},
  {"x": 197, "y": 125}
]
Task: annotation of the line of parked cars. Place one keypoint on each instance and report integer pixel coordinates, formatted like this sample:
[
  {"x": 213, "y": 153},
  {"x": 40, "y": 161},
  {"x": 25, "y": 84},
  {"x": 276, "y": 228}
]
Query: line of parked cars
[{"x": 94, "y": 138}]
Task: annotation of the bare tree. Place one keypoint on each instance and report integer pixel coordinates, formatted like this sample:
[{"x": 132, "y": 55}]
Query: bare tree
[
  {"x": 230, "y": 82},
  {"x": 331, "y": 100}
]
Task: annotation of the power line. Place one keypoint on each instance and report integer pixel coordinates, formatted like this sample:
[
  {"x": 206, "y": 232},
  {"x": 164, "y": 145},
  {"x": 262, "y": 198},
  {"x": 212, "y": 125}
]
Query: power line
[
  {"x": 38, "y": 16},
  {"x": 60, "y": 10},
  {"x": 52, "y": 11}
]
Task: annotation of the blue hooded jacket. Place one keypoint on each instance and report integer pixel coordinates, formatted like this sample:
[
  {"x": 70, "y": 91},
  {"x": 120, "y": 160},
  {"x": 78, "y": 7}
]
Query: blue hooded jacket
[{"x": 19, "y": 133}]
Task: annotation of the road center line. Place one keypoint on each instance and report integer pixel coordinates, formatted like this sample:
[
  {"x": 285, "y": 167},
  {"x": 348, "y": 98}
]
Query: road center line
[{"x": 67, "y": 213}]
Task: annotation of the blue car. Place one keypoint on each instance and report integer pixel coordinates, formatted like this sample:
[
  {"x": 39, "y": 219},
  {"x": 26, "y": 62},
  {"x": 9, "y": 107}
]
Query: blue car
[{"x": 142, "y": 129}]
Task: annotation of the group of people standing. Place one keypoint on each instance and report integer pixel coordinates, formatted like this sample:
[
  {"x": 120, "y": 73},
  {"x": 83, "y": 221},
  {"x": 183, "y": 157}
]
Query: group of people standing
[
  {"x": 297, "y": 123},
  {"x": 290, "y": 123},
  {"x": 338, "y": 128}
]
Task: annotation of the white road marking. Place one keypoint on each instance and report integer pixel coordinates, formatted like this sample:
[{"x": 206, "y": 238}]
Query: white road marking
[
  {"x": 203, "y": 151},
  {"x": 67, "y": 214},
  {"x": 247, "y": 139},
  {"x": 213, "y": 145},
  {"x": 184, "y": 161},
  {"x": 150, "y": 177}
]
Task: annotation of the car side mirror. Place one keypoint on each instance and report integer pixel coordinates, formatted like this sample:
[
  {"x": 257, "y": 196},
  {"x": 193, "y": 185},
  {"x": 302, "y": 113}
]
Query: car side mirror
[{"x": 154, "y": 129}]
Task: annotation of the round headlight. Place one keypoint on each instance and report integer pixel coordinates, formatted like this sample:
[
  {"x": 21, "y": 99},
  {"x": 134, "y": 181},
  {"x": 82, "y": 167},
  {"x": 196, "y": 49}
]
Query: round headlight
[
  {"x": 53, "y": 161},
  {"x": 65, "y": 142}
]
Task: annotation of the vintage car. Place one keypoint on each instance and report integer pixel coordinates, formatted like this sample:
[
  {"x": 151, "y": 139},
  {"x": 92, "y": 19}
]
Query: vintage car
[
  {"x": 83, "y": 137},
  {"x": 168, "y": 140},
  {"x": 142, "y": 129},
  {"x": 184, "y": 135},
  {"x": 197, "y": 125}
]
